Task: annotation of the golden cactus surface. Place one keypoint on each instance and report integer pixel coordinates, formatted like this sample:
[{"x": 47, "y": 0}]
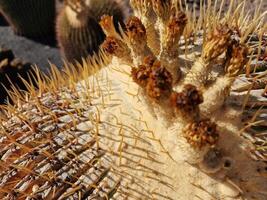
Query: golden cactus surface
[{"x": 171, "y": 108}]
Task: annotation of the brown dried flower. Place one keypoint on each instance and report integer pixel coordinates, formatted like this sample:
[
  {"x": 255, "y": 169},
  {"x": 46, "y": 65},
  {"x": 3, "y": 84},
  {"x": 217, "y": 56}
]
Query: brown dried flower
[
  {"x": 160, "y": 82},
  {"x": 217, "y": 42},
  {"x": 187, "y": 101},
  {"x": 201, "y": 133},
  {"x": 141, "y": 74},
  {"x": 116, "y": 47},
  {"x": 136, "y": 30},
  {"x": 176, "y": 25},
  {"x": 237, "y": 54}
]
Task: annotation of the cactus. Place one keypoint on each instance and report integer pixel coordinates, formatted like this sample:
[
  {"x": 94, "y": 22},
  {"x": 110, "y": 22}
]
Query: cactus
[
  {"x": 78, "y": 31},
  {"x": 133, "y": 124},
  {"x": 31, "y": 18}
]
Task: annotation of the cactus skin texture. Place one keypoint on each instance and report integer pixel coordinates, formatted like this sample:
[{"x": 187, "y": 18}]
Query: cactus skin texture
[
  {"x": 31, "y": 18},
  {"x": 129, "y": 125},
  {"x": 78, "y": 31}
]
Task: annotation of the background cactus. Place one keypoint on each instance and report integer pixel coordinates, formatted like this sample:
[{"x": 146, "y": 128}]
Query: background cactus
[
  {"x": 78, "y": 31},
  {"x": 32, "y": 18},
  {"x": 141, "y": 123}
]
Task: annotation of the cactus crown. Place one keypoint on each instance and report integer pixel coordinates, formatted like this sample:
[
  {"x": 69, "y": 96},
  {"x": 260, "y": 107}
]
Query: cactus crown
[{"x": 161, "y": 121}]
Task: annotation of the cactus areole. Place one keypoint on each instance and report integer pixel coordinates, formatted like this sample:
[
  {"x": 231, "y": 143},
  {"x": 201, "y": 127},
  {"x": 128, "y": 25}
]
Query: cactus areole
[{"x": 163, "y": 112}]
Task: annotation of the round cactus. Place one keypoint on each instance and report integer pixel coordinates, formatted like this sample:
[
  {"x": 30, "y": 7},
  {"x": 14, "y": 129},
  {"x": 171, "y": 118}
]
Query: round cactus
[
  {"x": 32, "y": 18},
  {"x": 78, "y": 31},
  {"x": 185, "y": 123}
]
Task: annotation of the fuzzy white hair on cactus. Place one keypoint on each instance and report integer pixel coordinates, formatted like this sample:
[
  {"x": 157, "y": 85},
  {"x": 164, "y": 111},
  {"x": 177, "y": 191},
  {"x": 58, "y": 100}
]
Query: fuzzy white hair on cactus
[{"x": 163, "y": 112}]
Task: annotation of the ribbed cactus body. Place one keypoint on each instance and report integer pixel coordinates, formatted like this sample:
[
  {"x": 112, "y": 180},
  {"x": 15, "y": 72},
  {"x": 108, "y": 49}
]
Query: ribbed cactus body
[
  {"x": 133, "y": 124},
  {"x": 81, "y": 41},
  {"x": 78, "y": 42},
  {"x": 31, "y": 18},
  {"x": 107, "y": 7}
]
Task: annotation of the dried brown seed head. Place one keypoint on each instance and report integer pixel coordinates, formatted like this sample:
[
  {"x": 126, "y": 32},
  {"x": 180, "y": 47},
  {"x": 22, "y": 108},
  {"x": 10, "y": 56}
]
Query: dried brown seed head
[
  {"x": 176, "y": 24},
  {"x": 172, "y": 34},
  {"x": 160, "y": 82},
  {"x": 193, "y": 95},
  {"x": 114, "y": 46},
  {"x": 220, "y": 31},
  {"x": 141, "y": 74},
  {"x": 162, "y": 8},
  {"x": 187, "y": 101},
  {"x": 149, "y": 61},
  {"x": 202, "y": 133},
  {"x": 135, "y": 29},
  {"x": 111, "y": 45},
  {"x": 237, "y": 54},
  {"x": 217, "y": 42}
]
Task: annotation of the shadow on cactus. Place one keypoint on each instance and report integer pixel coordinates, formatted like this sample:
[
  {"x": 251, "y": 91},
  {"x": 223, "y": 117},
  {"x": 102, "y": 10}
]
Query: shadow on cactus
[
  {"x": 78, "y": 32},
  {"x": 30, "y": 18},
  {"x": 162, "y": 112}
]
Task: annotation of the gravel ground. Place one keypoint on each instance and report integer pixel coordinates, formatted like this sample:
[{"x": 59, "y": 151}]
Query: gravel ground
[{"x": 30, "y": 50}]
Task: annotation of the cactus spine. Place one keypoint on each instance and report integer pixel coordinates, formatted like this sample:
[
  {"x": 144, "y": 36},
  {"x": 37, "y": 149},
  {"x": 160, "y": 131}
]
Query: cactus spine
[
  {"x": 32, "y": 18},
  {"x": 136, "y": 129},
  {"x": 78, "y": 31}
]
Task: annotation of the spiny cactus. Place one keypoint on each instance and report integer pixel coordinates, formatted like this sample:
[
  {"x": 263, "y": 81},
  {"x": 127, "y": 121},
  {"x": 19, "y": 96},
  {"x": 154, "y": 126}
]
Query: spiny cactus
[
  {"x": 78, "y": 32},
  {"x": 169, "y": 117},
  {"x": 32, "y": 18}
]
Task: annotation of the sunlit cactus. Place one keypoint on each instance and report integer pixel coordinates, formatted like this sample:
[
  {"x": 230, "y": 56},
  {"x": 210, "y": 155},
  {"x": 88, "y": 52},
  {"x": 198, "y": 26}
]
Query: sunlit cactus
[
  {"x": 172, "y": 111},
  {"x": 78, "y": 32},
  {"x": 32, "y": 18}
]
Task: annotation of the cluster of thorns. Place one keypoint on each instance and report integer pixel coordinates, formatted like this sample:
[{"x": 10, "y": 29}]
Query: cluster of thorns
[
  {"x": 157, "y": 82},
  {"x": 157, "y": 75}
]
